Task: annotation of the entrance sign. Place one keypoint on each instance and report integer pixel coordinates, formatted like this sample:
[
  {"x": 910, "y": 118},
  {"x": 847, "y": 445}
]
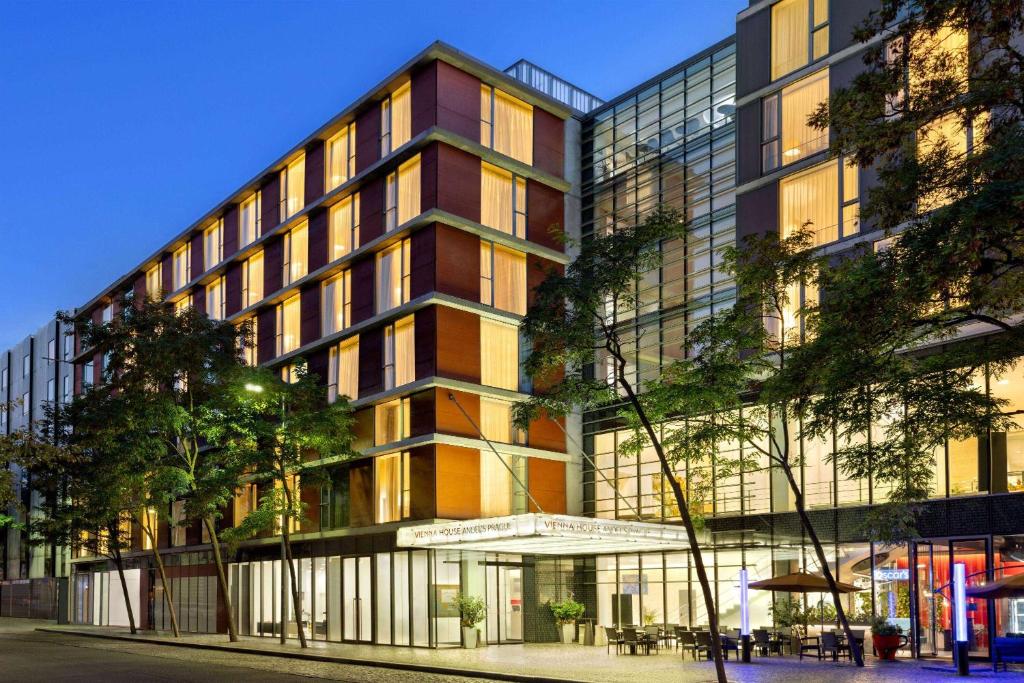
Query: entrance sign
[
  {"x": 892, "y": 574},
  {"x": 545, "y": 534}
]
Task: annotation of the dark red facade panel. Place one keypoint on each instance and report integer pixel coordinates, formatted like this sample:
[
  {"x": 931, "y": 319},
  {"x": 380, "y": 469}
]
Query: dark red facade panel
[
  {"x": 371, "y": 210},
  {"x": 317, "y": 237},
  {"x": 545, "y": 211},
  {"x": 424, "y": 98},
  {"x": 231, "y": 230},
  {"x": 367, "y": 137},
  {"x": 362, "y": 290},
  {"x": 458, "y": 101},
  {"x": 309, "y": 314},
  {"x": 273, "y": 265},
  {"x": 266, "y": 326},
  {"x": 371, "y": 362},
  {"x": 548, "y": 142},
  {"x": 314, "y": 181},
  {"x": 270, "y": 198}
]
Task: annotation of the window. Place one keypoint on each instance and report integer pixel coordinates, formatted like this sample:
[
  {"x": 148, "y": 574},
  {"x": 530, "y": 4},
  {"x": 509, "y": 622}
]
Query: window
[
  {"x": 391, "y": 421},
  {"x": 395, "y": 120},
  {"x": 496, "y": 421},
  {"x": 215, "y": 299},
  {"x": 506, "y": 124},
  {"x": 252, "y": 280},
  {"x": 26, "y": 403},
  {"x": 246, "y": 501},
  {"x": 66, "y": 390},
  {"x": 26, "y": 365},
  {"x": 249, "y": 219},
  {"x": 391, "y": 481},
  {"x": 296, "y": 253},
  {"x": 69, "y": 346},
  {"x": 88, "y": 375},
  {"x": 499, "y": 354},
  {"x": 177, "y": 520},
  {"x": 812, "y": 198},
  {"x": 341, "y": 156},
  {"x": 502, "y": 200},
  {"x": 51, "y": 350},
  {"x": 502, "y": 278},
  {"x": 399, "y": 353},
  {"x": 3, "y": 383},
  {"x": 344, "y": 227},
  {"x": 794, "y": 325},
  {"x": 213, "y": 244},
  {"x": 944, "y": 141},
  {"x": 154, "y": 281},
  {"x": 336, "y": 303},
  {"x": 250, "y": 348},
  {"x": 183, "y": 304},
  {"x": 343, "y": 370},
  {"x": 293, "y": 188},
  {"x": 108, "y": 313},
  {"x": 51, "y": 390},
  {"x": 799, "y": 34},
  {"x": 402, "y": 194},
  {"x": 288, "y": 320},
  {"x": 290, "y": 373},
  {"x": 182, "y": 265},
  {"x": 785, "y": 122},
  {"x": 497, "y": 486},
  {"x": 393, "y": 276}
]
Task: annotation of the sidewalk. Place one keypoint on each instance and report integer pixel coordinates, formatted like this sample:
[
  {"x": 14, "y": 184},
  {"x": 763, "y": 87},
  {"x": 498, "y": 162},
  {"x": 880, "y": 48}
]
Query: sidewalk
[{"x": 555, "y": 662}]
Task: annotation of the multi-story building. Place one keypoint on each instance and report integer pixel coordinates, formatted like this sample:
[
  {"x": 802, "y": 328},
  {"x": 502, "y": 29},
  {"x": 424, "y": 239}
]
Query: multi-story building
[{"x": 395, "y": 249}]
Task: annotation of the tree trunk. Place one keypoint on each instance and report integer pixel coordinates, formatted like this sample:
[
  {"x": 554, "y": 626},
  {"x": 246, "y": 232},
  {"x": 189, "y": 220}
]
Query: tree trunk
[
  {"x": 222, "y": 578},
  {"x": 691, "y": 532},
  {"x": 297, "y": 608},
  {"x": 858, "y": 656},
  {"x": 119, "y": 563},
  {"x": 168, "y": 597}
]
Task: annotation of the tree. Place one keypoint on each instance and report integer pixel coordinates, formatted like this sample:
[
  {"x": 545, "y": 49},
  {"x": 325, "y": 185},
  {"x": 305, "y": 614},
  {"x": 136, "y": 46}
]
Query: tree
[
  {"x": 277, "y": 428},
  {"x": 574, "y": 320}
]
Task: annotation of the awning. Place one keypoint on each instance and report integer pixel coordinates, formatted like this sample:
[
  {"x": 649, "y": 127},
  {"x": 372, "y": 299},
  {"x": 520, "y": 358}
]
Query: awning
[{"x": 545, "y": 534}]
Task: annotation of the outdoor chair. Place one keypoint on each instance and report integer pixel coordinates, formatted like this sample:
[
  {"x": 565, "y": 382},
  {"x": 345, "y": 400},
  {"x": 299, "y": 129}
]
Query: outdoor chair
[
  {"x": 830, "y": 645},
  {"x": 702, "y": 643},
  {"x": 688, "y": 641},
  {"x": 1007, "y": 650},
  {"x": 730, "y": 643},
  {"x": 632, "y": 640},
  {"x": 652, "y": 633},
  {"x": 810, "y": 645},
  {"x": 613, "y": 637},
  {"x": 678, "y": 632},
  {"x": 764, "y": 644}
]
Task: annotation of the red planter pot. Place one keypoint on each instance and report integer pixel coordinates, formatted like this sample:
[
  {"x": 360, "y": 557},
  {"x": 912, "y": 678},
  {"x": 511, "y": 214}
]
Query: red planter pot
[{"x": 886, "y": 646}]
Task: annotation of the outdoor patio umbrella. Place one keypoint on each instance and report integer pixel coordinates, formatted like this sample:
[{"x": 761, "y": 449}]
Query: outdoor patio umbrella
[
  {"x": 1006, "y": 587},
  {"x": 802, "y": 582}
]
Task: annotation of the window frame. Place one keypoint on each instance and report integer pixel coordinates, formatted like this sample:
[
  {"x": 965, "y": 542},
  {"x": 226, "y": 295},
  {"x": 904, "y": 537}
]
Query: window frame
[
  {"x": 285, "y": 189},
  {"x": 348, "y": 131},
  {"x": 248, "y": 298},
  {"x": 281, "y": 320},
  {"x": 813, "y": 27},
  {"x": 256, "y": 200},
  {"x": 208, "y": 262},
  {"x": 353, "y": 203},
  {"x": 344, "y": 279},
  {"x": 404, "y": 249},
  {"x": 288, "y": 254}
]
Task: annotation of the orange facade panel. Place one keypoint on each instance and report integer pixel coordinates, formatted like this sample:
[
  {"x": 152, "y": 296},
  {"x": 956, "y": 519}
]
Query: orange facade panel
[
  {"x": 457, "y": 472},
  {"x": 546, "y": 479}
]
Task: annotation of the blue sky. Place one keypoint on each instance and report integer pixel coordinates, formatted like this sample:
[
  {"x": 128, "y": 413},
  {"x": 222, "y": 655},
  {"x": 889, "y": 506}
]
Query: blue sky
[{"x": 121, "y": 123}]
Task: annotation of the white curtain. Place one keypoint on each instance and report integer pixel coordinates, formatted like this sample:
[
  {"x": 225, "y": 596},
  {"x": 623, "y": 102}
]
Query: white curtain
[
  {"x": 790, "y": 26},
  {"x": 288, "y": 319},
  {"x": 335, "y": 303},
  {"x": 401, "y": 116},
  {"x": 486, "y": 122},
  {"x": 392, "y": 421},
  {"x": 388, "y": 482},
  {"x": 294, "y": 188},
  {"x": 248, "y": 216},
  {"x": 339, "y": 156},
  {"x": 389, "y": 278},
  {"x": 499, "y": 354},
  {"x": 297, "y": 253},
  {"x": 509, "y": 280},
  {"x": 215, "y": 299},
  {"x": 213, "y": 245},
  {"x": 409, "y": 190},
  {"x": 513, "y": 127},
  {"x": 811, "y": 197},
  {"x": 182, "y": 266},
  {"x": 253, "y": 284},
  {"x": 344, "y": 226},
  {"x": 343, "y": 370},
  {"x": 495, "y": 485},
  {"x": 495, "y": 198},
  {"x": 486, "y": 274},
  {"x": 799, "y": 101},
  {"x": 496, "y": 419},
  {"x": 405, "y": 351}
]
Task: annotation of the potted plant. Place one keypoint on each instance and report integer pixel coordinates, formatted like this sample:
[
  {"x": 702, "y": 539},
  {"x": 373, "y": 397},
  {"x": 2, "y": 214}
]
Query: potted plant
[
  {"x": 649, "y": 616},
  {"x": 789, "y": 613},
  {"x": 566, "y": 613},
  {"x": 887, "y": 638},
  {"x": 472, "y": 611}
]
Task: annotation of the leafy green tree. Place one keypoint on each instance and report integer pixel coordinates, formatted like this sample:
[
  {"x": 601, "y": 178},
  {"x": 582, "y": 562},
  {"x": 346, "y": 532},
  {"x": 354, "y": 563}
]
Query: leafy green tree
[
  {"x": 577, "y": 318},
  {"x": 277, "y": 428}
]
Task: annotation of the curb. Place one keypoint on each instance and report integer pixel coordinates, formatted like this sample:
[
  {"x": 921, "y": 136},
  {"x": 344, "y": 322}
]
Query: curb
[{"x": 404, "y": 666}]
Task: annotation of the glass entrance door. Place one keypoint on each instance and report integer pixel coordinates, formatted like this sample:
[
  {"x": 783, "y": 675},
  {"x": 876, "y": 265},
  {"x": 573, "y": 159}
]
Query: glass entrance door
[
  {"x": 356, "y": 599},
  {"x": 927, "y": 600},
  {"x": 505, "y": 603}
]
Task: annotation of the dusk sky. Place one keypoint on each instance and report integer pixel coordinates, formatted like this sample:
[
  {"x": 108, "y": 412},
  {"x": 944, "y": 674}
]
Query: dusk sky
[{"x": 122, "y": 123}]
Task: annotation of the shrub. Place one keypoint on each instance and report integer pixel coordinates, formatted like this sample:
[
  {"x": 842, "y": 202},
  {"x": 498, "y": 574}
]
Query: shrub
[{"x": 472, "y": 610}]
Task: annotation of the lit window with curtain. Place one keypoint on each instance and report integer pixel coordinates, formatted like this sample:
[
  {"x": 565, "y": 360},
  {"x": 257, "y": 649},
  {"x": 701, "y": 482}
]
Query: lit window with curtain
[
  {"x": 502, "y": 278},
  {"x": 393, "y": 276},
  {"x": 336, "y": 303},
  {"x": 249, "y": 219},
  {"x": 391, "y": 487},
  {"x": 181, "y": 262},
  {"x": 396, "y": 119},
  {"x": 340, "y": 152},
  {"x": 154, "y": 281},
  {"x": 506, "y": 124},
  {"x": 496, "y": 421},
  {"x": 946, "y": 140},
  {"x": 499, "y": 354},
  {"x": 391, "y": 421},
  {"x": 288, "y": 325},
  {"x": 343, "y": 370},
  {"x": 249, "y": 348},
  {"x": 786, "y": 135},
  {"x": 290, "y": 373},
  {"x": 799, "y": 34},
  {"x": 183, "y": 304},
  {"x": 215, "y": 299},
  {"x": 399, "y": 353},
  {"x": 293, "y": 188},
  {"x": 402, "y": 194},
  {"x": 252, "y": 280},
  {"x": 296, "y": 253},
  {"x": 502, "y": 200},
  {"x": 811, "y": 198},
  {"x": 495, "y": 484},
  {"x": 792, "y": 328},
  {"x": 213, "y": 244},
  {"x": 343, "y": 227}
]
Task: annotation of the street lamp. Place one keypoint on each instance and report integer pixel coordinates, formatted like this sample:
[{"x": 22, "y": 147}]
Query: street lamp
[
  {"x": 744, "y": 617},
  {"x": 254, "y": 388}
]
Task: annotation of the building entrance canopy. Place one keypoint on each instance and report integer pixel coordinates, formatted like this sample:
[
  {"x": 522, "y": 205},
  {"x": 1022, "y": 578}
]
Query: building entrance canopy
[{"x": 545, "y": 534}]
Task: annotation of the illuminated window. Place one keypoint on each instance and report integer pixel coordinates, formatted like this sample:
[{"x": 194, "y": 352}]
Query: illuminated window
[
  {"x": 792, "y": 328},
  {"x": 107, "y": 316},
  {"x": 288, "y": 321},
  {"x": 784, "y": 122},
  {"x": 506, "y": 124},
  {"x": 343, "y": 227},
  {"x": 213, "y": 244},
  {"x": 249, "y": 347},
  {"x": 336, "y": 303},
  {"x": 799, "y": 34},
  {"x": 402, "y": 194},
  {"x": 340, "y": 152},
  {"x": 296, "y": 253},
  {"x": 391, "y": 487},
  {"x": 182, "y": 264},
  {"x": 496, "y": 421},
  {"x": 502, "y": 200},
  {"x": 399, "y": 353},
  {"x": 150, "y": 523},
  {"x": 395, "y": 120},
  {"x": 499, "y": 354},
  {"x": 945, "y": 142},
  {"x": 290, "y": 373},
  {"x": 343, "y": 370},
  {"x": 155, "y": 281},
  {"x": 249, "y": 221},
  {"x": 215, "y": 299},
  {"x": 502, "y": 278},
  {"x": 177, "y": 523},
  {"x": 293, "y": 188},
  {"x": 252, "y": 280},
  {"x": 391, "y": 421},
  {"x": 246, "y": 500},
  {"x": 183, "y": 304},
  {"x": 393, "y": 276},
  {"x": 811, "y": 199},
  {"x": 293, "y": 486}
]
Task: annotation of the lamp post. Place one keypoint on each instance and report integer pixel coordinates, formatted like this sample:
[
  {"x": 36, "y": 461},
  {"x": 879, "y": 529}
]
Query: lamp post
[
  {"x": 744, "y": 617},
  {"x": 960, "y": 635}
]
